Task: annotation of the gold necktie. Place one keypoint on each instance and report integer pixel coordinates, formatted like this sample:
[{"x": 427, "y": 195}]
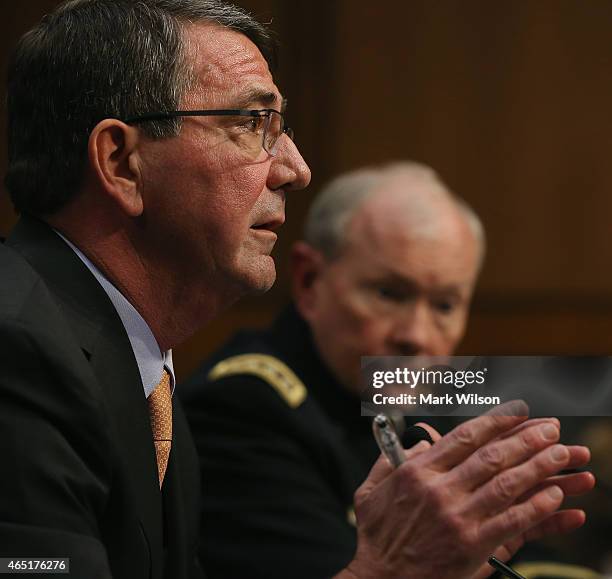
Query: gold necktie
[{"x": 160, "y": 412}]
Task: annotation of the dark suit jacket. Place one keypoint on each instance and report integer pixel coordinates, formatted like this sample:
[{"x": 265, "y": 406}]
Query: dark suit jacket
[{"x": 79, "y": 477}]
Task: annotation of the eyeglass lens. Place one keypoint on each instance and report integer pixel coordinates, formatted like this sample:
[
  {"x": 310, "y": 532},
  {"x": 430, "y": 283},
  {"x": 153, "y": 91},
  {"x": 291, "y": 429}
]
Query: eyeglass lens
[{"x": 274, "y": 129}]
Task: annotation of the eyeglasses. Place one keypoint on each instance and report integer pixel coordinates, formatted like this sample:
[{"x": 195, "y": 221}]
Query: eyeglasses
[{"x": 263, "y": 127}]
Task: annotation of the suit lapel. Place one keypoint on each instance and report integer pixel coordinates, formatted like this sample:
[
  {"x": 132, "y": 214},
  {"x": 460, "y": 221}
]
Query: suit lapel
[{"x": 104, "y": 342}]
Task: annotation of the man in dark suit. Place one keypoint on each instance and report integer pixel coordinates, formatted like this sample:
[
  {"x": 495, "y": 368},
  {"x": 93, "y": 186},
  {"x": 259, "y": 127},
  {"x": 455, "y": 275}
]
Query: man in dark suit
[
  {"x": 149, "y": 161},
  {"x": 387, "y": 267}
]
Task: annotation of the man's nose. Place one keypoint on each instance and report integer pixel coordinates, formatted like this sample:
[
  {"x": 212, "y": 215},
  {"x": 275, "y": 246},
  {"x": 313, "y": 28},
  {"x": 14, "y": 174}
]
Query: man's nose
[
  {"x": 288, "y": 171},
  {"x": 412, "y": 332}
]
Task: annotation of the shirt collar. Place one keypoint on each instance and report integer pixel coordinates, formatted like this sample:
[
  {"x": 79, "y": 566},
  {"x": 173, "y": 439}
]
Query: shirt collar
[{"x": 150, "y": 359}]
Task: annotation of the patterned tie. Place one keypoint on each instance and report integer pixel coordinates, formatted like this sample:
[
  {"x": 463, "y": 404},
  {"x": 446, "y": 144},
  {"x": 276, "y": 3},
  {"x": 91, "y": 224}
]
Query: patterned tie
[{"x": 160, "y": 412}]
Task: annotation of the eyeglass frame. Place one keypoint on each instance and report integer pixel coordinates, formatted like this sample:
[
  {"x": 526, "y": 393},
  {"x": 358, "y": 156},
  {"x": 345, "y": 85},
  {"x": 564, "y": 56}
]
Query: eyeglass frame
[{"x": 257, "y": 113}]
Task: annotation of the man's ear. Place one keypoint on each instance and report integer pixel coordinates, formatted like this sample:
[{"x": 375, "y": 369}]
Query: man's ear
[
  {"x": 306, "y": 267},
  {"x": 113, "y": 159}
]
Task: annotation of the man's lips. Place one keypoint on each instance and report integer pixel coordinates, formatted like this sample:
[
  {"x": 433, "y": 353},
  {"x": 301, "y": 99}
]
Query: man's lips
[{"x": 270, "y": 224}]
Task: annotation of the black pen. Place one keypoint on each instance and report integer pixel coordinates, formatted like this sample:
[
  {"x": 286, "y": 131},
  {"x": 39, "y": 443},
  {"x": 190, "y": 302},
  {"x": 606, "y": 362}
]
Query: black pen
[{"x": 504, "y": 569}]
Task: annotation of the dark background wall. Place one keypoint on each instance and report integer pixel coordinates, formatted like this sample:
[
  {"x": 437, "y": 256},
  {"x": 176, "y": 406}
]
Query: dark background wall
[{"x": 509, "y": 101}]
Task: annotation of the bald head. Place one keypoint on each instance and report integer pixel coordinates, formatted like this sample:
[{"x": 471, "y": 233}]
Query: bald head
[
  {"x": 388, "y": 267},
  {"x": 408, "y": 196}
]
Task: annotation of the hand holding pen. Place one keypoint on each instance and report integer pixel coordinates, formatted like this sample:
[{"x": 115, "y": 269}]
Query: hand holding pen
[
  {"x": 448, "y": 506},
  {"x": 391, "y": 447}
]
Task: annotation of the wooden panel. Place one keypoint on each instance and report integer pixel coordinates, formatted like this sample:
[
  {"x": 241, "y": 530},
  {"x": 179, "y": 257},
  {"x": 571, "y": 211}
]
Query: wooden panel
[
  {"x": 15, "y": 19},
  {"x": 509, "y": 101},
  {"x": 537, "y": 325}
]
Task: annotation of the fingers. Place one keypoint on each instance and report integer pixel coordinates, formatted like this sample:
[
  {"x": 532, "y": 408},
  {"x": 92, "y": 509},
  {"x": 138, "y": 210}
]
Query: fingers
[
  {"x": 461, "y": 442},
  {"x": 503, "y": 553},
  {"x": 382, "y": 468},
  {"x": 511, "y": 408},
  {"x": 558, "y": 523},
  {"x": 575, "y": 484},
  {"x": 485, "y": 571},
  {"x": 571, "y": 484},
  {"x": 414, "y": 434},
  {"x": 506, "y": 551},
  {"x": 502, "y": 454},
  {"x": 529, "y": 423},
  {"x": 579, "y": 456},
  {"x": 435, "y": 435},
  {"x": 417, "y": 449},
  {"x": 520, "y": 518},
  {"x": 504, "y": 489}
]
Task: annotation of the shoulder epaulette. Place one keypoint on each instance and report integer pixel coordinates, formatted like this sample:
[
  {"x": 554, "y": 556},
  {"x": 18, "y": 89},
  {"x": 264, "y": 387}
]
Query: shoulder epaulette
[
  {"x": 551, "y": 570},
  {"x": 270, "y": 369}
]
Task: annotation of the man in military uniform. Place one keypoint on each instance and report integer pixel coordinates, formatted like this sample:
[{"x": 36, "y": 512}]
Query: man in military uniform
[{"x": 387, "y": 267}]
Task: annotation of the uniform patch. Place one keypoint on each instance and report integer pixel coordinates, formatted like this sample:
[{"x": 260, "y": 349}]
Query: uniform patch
[{"x": 270, "y": 369}]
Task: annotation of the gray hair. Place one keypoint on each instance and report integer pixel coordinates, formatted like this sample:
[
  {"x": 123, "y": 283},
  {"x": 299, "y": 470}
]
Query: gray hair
[
  {"x": 330, "y": 213},
  {"x": 95, "y": 59}
]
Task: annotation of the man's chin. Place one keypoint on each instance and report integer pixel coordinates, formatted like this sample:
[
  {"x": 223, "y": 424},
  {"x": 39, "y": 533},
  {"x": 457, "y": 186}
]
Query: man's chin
[
  {"x": 260, "y": 276},
  {"x": 266, "y": 281}
]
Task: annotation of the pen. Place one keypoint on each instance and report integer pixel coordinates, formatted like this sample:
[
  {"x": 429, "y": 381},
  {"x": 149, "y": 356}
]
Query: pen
[
  {"x": 387, "y": 440},
  {"x": 504, "y": 569},
  {"x": 391, "y": 447}
]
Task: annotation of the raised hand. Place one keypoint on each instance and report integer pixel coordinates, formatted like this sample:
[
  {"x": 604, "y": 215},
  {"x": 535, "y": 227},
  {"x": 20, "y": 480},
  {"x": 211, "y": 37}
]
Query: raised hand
[{"x": 484, "y": 488}]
